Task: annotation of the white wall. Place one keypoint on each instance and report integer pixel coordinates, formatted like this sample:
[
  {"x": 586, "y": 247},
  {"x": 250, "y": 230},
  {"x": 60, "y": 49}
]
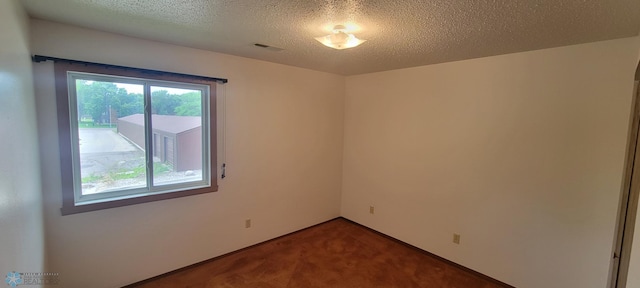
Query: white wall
[
  {"x": 21, "y": 227},
  {"x": 284, "y": 157},
  {"x": 521, "y": 154},
  {"x": 633, "y": 278}
]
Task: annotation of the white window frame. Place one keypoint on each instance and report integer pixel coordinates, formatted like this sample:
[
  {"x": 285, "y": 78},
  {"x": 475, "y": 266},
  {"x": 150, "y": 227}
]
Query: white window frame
[
  {"x": 66, "y": 72},
  {"x": 150, "y": 189}
]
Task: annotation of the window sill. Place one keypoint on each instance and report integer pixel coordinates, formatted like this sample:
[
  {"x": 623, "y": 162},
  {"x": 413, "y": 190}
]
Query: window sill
[{"x": 68, "y": 210}]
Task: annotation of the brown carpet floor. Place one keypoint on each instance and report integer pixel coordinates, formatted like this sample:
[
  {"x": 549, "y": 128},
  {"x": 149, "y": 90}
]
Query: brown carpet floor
[{"x": 338, "y": 253}]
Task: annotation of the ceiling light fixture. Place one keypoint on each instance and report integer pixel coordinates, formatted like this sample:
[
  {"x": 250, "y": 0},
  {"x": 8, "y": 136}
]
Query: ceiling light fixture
[{"x": 340, "y": 39}]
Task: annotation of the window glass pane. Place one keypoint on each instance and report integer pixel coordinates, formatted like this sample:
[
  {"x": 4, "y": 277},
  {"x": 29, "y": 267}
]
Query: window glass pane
[
  {"x": 177, "y": 135},
  {"x": 111, "y": 136}
]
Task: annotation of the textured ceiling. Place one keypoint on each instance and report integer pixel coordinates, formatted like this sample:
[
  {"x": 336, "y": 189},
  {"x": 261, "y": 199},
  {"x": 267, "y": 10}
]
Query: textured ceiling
[{"x": 400, "y": 34}]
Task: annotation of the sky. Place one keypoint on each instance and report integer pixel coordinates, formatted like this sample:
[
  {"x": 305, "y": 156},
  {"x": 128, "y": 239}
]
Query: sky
[{"x": 134, "y": 88}]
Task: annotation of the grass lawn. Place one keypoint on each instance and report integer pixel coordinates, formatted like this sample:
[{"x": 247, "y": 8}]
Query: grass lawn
[{"x": 120, "y": 174}]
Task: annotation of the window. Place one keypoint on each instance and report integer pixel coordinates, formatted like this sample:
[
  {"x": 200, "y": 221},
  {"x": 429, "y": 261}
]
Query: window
[{"x": 130, "y": 136}]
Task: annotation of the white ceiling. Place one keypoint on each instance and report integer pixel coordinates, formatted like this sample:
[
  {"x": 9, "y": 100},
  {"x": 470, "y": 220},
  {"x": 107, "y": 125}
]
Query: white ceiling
[{"x": 400, "y": 34}]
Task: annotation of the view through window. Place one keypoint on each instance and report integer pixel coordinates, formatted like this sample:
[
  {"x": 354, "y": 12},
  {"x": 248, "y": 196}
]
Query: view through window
[
  {"x": 133, "y": 138},
  {"x": 111, "y": 135}
]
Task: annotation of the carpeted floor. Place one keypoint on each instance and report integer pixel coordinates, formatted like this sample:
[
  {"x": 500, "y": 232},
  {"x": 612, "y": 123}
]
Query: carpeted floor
[{"x": 337, "y": 253}]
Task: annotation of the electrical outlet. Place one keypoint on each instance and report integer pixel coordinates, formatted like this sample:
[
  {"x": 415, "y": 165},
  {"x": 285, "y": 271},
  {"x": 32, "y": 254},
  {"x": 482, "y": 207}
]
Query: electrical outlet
[
  {"x": 456, "y": 238},
  {"x": 247, "y": 223},
  {"x": 371, "y": 209}
]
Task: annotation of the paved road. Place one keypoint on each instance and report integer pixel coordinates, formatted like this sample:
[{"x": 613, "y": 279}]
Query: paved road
[
  {"x": 103, "y": 150},
  {"x": 103, "y": 140}
]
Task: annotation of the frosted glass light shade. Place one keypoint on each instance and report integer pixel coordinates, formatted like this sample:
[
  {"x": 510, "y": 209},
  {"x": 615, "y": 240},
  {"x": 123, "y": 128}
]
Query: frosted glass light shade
[{"x": 340, "y": 39}]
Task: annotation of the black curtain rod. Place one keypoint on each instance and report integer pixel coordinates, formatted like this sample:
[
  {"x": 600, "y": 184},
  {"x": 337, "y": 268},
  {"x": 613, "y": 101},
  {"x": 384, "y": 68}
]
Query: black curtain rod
[{"x": 40, "y": 58}]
